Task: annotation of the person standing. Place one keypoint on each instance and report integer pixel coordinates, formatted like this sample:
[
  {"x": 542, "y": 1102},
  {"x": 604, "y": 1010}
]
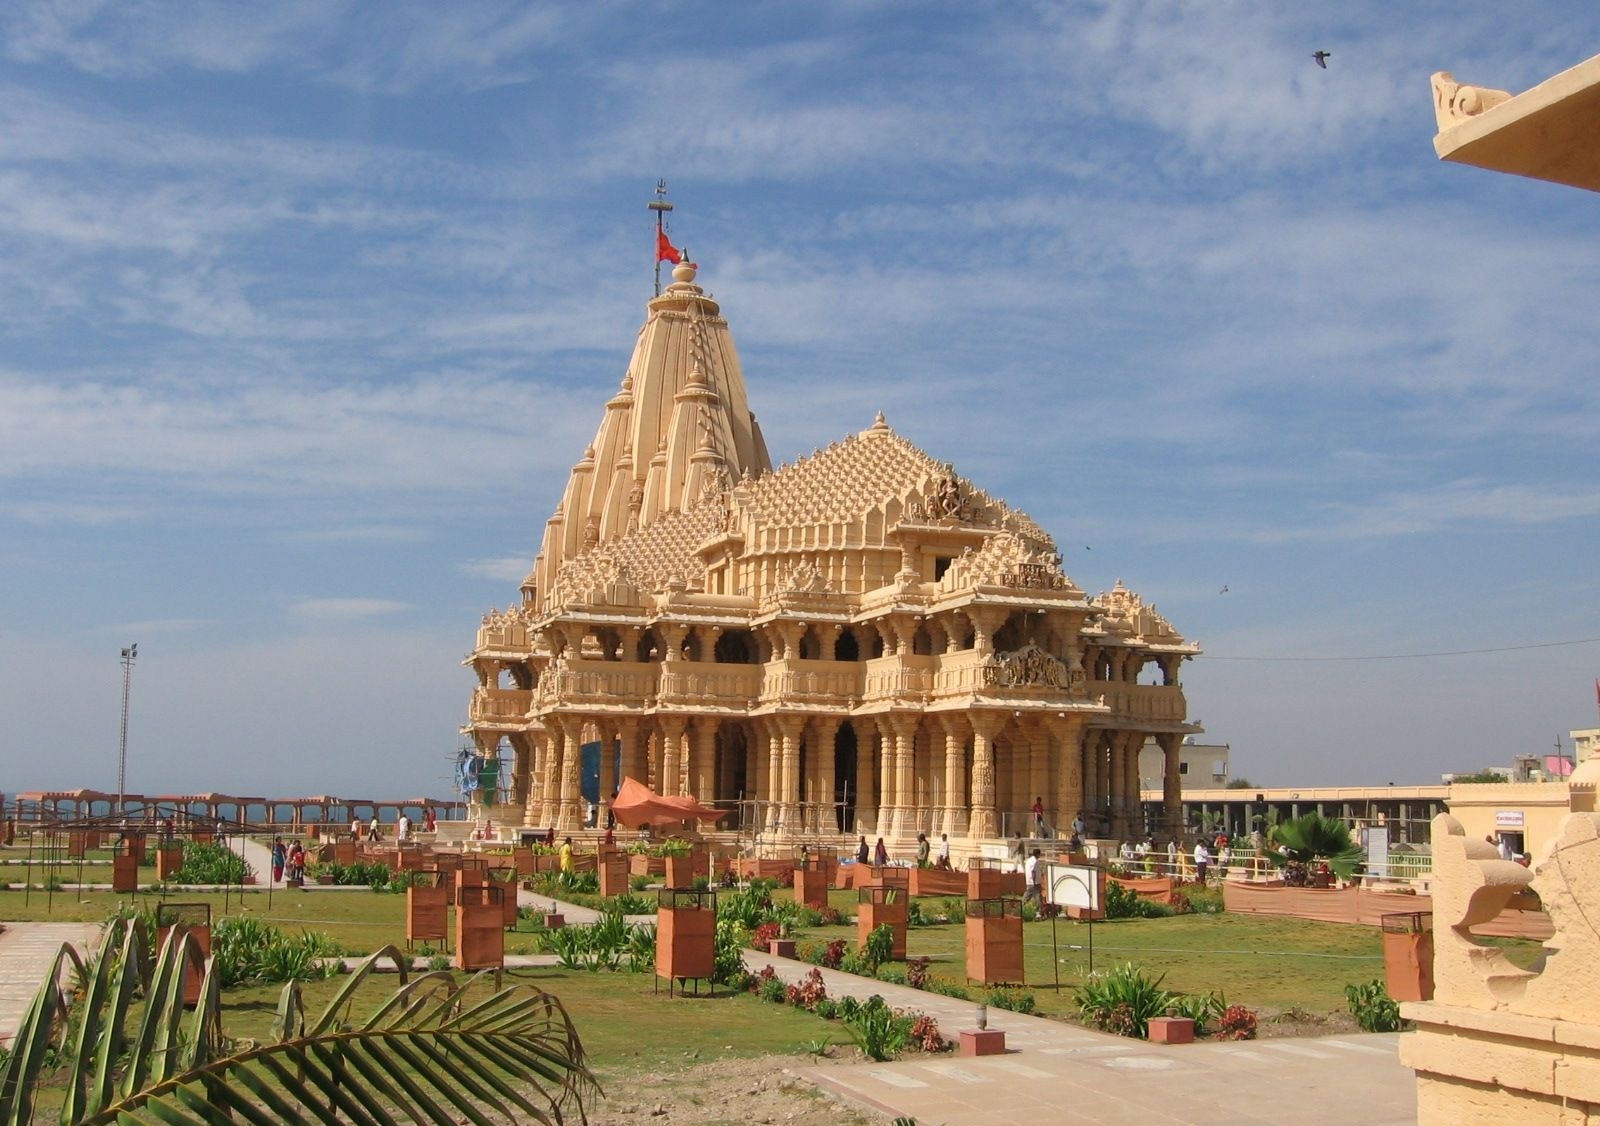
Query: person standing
[
  {"x": 1039, "y": 829},
  {"x": 944, "y": 851},
  {"x": 280, "y": 857},
  {"x": 1224, "y": 858},
  {"x": 1202, "y": 860},
  {"x": 1172, "y": 858},
  {"x": 402, "y": 828},
  {"x": 372, "y": 829},
  {"x": 863, "y": 853},
  {"x": 355, "y": 828},
  {"x": 880, "y": 854},
  {"x": 1034, "y": 892},
  {"x": 566, "y": 856},
  {"x": 923, "y": 849},
  {"x": 431, "y": 820},
  {"x": 1077, "y": 823}
]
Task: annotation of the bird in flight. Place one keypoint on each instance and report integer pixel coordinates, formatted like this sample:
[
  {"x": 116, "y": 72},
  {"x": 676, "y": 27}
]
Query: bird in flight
[
  {"x": 1224, "y": 590},
  {"x": 1322, "y": 58}
]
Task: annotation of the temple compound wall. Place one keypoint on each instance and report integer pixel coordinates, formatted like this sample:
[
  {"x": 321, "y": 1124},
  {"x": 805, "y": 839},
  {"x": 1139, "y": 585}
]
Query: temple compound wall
[{"x": 860, "y": 642}]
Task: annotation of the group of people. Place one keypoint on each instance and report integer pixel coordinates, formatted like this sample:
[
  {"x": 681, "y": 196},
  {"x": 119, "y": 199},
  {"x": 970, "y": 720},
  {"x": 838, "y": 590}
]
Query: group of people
[
  {"x": 878, "y": 855},
  {"x": 1144, "y": 855},
  {"x": 373, "y": 829},
  {"x": 288, "y": 861}
]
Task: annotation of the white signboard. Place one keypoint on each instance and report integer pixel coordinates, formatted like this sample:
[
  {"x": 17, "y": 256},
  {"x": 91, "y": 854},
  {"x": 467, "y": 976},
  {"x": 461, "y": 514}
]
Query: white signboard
[
  {"x": 1508, "y": 819},
  {"x": 1072, "y": 885},
  {"x": 1376, "y": 840}
]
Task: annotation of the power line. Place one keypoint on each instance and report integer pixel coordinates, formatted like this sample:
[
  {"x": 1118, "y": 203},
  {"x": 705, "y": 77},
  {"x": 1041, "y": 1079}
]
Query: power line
[{"x": 1413, "y": 656}]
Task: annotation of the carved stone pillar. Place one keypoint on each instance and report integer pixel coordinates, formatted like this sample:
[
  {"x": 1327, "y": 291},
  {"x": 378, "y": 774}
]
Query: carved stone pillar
[
  {"x": 903, "y": 731},
  {"x": 1171, "y": 783},
  {"x": 888, "y": 792},
  {"x": 538, "y": 763},
  {"x": 824, "y": 730},
  {"x": 1133, "y": 787},
  {"x": 634, "y": 761},
  {"x": 866, "y": 811},
  {"x": 703, "y": 758},
  {"x": 787, "y": 729},
  {"x": 1068, "y": 752},
  {"x": 1116, "y": 788},
  {"x": 608, "y": 771},
  {"x": 569, "y": 814},
  {"x": 672, "y": 727},
  {"x": 985, "y": 621},
  {"x": 1093, "y": 774},
  {"x": 985, "y": 726},
  {"x": 550, "y": 783},
  {"x": 954, "y": 727},
  {"x": 522, "y": 772}
]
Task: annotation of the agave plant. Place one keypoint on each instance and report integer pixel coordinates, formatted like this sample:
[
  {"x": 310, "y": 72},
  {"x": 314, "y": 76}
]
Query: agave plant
[
  {"x": 435, "y": 1051},
  {"x": 1304, "y": 840}
]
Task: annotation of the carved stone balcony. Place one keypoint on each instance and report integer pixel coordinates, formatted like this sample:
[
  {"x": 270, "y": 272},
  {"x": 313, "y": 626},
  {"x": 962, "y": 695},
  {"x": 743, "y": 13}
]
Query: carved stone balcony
[
  {"x": 890, "y": 678},
  {"x": 579, "y": 682},
  {"x": 497, "y": 706},
  {"x": 812, "y": 682},
  {"x": 1156, "y": 702},
  {"x": 697, "y": 684}
]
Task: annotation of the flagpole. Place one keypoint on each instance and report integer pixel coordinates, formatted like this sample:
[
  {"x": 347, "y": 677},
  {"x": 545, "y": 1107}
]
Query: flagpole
[{"x": 660, "y": 206}]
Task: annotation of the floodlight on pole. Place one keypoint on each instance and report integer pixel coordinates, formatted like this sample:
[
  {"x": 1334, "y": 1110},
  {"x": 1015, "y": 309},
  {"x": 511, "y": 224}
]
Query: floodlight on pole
[{"x": 130, "y": 654}]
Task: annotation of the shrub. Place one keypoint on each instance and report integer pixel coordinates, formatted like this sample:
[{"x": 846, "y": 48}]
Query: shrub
[
  {"x": 1200, "y": 900},
  {"x": 827, "y": 1008},
  {"x": 811, "y": 991},
  {"x": 880, "y": 1032},
  {"x": 246, "y": 949},
  {"x": 1010, "y": 997},
  {"x": 893, "y": 974},
  {"x": 764, "y": 935},
  {"x": 1237, "y": 1023},
  {"x": 1122, "y": 1000},
  {"x": 917, "y": 972},
  {"x": 1202, "y": 1008},
  {"x": 879, "y": 947},
  {"x": 947, "y": 987},
  {"x": 1373, "y": 1008},
  {"x": 769, "y": 986},
  {"x": 953, "y": 908},
  {"x": 848, "y": 1008},
  {"x": 730, "y": 942},
  {"x": 1124, "y": 904},
  {"x": 638, "y": 883},
  {"x": 211, "y": 864},
  {"x": 834, "y": 953},
  {"x": 925, "y": 1034}
]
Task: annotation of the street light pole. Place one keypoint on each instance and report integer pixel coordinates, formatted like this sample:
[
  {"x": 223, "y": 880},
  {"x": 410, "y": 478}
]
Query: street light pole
[{"x": 129, "y": 655}]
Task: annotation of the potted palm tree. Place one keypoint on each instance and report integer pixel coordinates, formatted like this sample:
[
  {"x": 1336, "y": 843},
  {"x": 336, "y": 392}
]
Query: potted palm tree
[{"x": 1312, "y": 849}]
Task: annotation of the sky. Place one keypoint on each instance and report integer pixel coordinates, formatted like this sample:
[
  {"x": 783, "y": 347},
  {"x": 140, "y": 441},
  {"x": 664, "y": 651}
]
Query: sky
[{"x": 309, "y": 308}]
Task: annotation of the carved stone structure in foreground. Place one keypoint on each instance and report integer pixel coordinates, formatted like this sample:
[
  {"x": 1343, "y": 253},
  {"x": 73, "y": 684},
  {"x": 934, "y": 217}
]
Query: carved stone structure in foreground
[
  {"x": 1498, "y": 1044},
  {"x": 862, "y": 641}
]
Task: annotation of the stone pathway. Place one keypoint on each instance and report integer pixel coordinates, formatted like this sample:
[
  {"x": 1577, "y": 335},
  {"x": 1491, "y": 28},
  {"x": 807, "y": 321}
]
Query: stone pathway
[
  {"x": 26, "y": 950},
  {"x": 1060, "y": 1073}
]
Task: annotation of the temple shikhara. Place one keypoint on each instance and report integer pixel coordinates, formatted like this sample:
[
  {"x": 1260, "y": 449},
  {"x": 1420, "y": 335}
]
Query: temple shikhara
[{"x": 861, "y": 641}]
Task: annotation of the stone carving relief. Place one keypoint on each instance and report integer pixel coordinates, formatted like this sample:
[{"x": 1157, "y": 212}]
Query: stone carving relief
[
  {"x": 805, "y": 577},
  {"x": 948, "y": 498},
  {"x": 1028, "y": 667},
  {"x": 1008, "y": 560}
]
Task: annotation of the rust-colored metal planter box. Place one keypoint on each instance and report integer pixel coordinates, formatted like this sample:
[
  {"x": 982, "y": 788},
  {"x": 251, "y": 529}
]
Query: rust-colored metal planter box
[
  {"x": 879, "y": 906},
  {"x": 686, "y": 934},
  {"x": 994, "y": 941},
  {"x": 480, "y": 927}
]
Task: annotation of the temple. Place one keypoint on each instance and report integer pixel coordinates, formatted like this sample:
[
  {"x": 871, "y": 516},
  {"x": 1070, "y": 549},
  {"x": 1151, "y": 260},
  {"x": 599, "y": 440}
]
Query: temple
[{"x": 862, "y": 641}]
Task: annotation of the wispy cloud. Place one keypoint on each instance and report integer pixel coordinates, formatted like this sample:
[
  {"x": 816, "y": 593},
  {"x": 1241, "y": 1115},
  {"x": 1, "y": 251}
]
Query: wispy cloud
[
  {"x": 345, "y": 609},
  {"x": 505, "y": 569}
]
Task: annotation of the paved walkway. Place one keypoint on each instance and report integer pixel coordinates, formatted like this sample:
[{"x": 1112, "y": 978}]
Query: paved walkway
[
  {"x": 26, "y": 950},
  {"x": 1060, "y": 1073}
]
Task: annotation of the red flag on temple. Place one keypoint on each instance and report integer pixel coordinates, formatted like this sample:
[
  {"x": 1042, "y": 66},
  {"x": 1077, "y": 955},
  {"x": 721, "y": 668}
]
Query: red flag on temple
[{"x": 666, "y": 252}]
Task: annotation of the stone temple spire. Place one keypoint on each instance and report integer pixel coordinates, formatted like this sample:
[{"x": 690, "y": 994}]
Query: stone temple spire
[{"x": 681, "y": 409}]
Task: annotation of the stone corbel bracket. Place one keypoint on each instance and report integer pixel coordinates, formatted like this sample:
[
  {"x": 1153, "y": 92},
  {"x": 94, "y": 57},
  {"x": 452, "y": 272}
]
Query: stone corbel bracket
[
  {"x": 1471, "y": 886},
  {"x": 1454, "y": 103}
]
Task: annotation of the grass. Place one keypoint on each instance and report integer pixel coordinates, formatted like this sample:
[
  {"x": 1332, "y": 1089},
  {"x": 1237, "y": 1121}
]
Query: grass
[
  {"x": 625, "y": 1024},
  {"x": 1266, "y": 963}
]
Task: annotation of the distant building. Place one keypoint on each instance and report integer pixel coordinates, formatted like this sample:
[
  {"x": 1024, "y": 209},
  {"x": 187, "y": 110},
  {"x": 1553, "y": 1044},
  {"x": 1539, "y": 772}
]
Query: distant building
[
  {"x": 1585, "y": 743},
  {"x": 1201, "y": 766}
]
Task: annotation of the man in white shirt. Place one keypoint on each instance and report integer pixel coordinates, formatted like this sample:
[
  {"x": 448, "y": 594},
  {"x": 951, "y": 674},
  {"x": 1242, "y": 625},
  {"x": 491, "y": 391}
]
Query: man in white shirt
[
  {"x": 1034, "y": 891},
  {"x": 402, "y": 828},
  {"x": 944, "y": 850},
  {"x": 1202, "y": 859}
]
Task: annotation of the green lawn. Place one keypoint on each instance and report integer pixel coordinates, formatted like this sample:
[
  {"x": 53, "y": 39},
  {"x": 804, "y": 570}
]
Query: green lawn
[
  {"x": 1266, "y": 963},
  {"x": 624, "y": 1022}
]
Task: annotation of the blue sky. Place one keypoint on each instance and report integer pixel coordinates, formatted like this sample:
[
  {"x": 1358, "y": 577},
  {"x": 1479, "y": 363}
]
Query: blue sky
[{"x": 309, "y": 308}]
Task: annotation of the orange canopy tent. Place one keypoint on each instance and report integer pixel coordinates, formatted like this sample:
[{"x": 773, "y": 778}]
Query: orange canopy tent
[{"x": 637, "y": 805}]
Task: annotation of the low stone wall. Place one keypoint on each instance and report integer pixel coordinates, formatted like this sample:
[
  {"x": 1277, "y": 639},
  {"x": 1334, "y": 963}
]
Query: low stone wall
[
  {"x": 1156, "y": 888},
  {"x": 1364, "y": 906}
]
